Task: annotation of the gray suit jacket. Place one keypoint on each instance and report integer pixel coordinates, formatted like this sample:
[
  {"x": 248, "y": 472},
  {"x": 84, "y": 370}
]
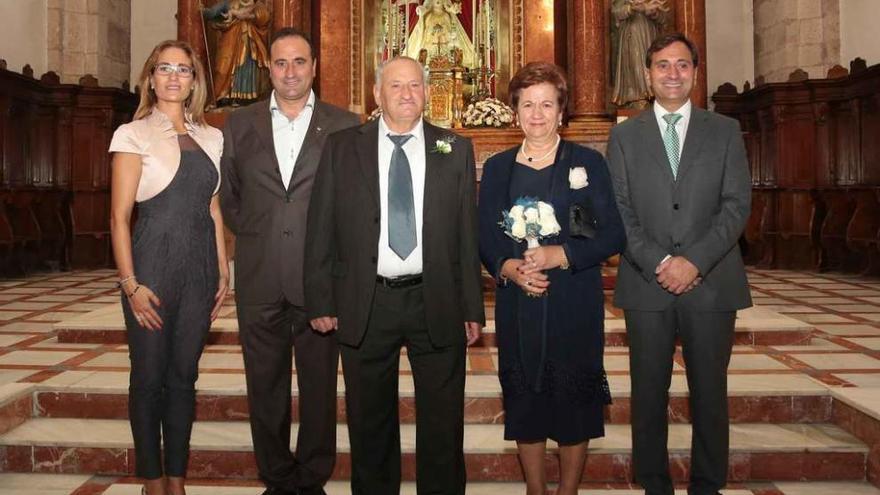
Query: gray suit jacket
[
  {"x": 699, "y": 216},
  {"x": 269, "y": 221},
  {"x": 343, "y": 236}
]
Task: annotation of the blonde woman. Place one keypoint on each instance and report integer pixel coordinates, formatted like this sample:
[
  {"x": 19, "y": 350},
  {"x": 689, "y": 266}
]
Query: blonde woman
[{"x": 172, "y": 270}]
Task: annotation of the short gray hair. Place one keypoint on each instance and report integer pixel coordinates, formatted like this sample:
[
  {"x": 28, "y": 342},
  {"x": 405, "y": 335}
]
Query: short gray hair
[{"x": 381, "y": 67}]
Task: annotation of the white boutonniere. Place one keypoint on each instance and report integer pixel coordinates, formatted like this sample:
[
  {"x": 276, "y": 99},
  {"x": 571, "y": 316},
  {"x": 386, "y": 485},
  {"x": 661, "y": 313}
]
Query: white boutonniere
[
  {"x": 577, "y": 178},
  {"x": 443, "y": 145}
]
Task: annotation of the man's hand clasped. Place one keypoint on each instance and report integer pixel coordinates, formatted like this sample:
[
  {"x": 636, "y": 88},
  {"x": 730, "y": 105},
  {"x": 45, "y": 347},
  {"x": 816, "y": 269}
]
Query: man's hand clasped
[
  {"x": 678, "y": 275},
  {"x": 324, "y": 324}
]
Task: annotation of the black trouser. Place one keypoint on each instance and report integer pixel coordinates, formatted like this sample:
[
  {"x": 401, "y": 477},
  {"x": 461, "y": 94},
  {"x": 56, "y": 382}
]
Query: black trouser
[
  {"x": 371, "y": 380},
  {"x": 707, "y": 341},
  {"x": 164, "y": 369},
  {"x": 272, "y": 335}
]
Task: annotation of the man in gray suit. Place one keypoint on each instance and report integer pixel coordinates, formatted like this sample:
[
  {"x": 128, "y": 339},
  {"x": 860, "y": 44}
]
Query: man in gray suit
[
  {"x": 682, "y": 184},
  {"x": 391, "y": 261},
  {"x": 270, "y": 155}
]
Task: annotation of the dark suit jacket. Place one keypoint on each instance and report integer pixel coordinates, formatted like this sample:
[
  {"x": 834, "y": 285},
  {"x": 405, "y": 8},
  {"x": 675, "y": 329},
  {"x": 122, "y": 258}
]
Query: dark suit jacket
[
  {"x": 699, "y": 216},
  {"x": 343, "y": 236},
  {"x": 269, "y": 221}
]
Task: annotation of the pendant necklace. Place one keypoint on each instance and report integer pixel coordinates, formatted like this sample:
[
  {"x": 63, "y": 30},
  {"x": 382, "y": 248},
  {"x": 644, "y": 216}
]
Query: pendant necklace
[{"x": 533, "y": 159}]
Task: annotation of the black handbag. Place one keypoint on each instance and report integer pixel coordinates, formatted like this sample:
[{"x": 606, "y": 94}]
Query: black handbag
[{"x": 582, "y": 222}]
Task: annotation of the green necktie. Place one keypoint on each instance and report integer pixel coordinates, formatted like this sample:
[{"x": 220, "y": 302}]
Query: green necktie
[{"x": 670, "y": 141}]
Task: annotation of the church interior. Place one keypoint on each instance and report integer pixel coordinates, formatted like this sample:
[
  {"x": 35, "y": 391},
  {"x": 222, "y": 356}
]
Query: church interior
[{"x": 802, "y": 77}]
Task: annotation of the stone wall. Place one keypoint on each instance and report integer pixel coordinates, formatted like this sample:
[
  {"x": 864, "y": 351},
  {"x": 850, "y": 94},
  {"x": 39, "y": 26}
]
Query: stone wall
[
  {"x": 730, "y": 49},
  {"x": 151, "y": 22},
  {"x": 89, "y": 37},
  {"x": 796, "y": 34},
  {"x": 23, "y": 37}
]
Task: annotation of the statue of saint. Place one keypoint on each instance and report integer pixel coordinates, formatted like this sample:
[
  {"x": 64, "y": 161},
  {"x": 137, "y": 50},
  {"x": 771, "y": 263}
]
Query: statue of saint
[
  {"x": 638, "y": 23},
  {"x": 438, "y": 30},
  {"x": 241, "y": 59}
]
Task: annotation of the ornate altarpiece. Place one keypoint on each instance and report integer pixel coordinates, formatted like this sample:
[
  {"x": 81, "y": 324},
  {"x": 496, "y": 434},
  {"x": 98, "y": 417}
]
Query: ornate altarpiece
[{"x": 572, "y": 33}]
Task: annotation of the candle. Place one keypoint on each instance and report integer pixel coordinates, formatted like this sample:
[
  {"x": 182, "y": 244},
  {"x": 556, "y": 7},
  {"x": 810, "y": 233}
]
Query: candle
[{"x": 473, "y": 21}]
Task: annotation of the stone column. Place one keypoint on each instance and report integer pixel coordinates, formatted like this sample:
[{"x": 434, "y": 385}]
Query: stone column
[
  {"x": 586, "y": 59},
  {"x": 289, "y": 13},
  {"x": 191, "y": 27},
  {"x": 690, "y": 19},
  {"x": 789, "y": 36},
  {"x": 89, "y": 38},
  {"x": 538, "y": 32}
]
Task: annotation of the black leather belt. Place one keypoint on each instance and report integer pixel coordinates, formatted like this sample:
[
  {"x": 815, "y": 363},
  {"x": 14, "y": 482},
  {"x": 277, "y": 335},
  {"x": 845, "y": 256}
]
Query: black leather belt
[{"x": 399, "y": 282}]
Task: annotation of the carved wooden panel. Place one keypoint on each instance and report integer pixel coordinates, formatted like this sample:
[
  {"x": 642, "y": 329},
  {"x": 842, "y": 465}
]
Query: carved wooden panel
[
  {"x": 817, "y": 142},
  {"x": 869, "y": 164},
  {"x": 54, "y": 171}
]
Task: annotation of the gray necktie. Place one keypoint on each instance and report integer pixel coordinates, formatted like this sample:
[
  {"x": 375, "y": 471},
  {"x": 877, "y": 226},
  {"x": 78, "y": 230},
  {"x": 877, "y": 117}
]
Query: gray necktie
[
  {"x": 401, "y": 210},
  {"x": 671, "y": 141}
]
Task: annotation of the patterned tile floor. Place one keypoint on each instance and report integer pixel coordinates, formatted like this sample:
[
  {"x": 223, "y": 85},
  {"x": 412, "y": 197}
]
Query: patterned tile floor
[{"x": 842, "y": 359}]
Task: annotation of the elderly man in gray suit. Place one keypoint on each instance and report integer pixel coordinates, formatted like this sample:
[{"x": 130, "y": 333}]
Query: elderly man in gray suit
[
  {"x": 683, "y": 189},
  {"x": 270, "y": 155}
]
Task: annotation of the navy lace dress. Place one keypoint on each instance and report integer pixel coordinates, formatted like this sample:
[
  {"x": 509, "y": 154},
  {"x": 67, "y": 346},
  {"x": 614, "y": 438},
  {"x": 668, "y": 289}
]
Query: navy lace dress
[{"x": 550, "y": 349}]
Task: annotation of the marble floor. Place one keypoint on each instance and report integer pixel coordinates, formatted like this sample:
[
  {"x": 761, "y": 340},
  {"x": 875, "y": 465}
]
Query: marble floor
[{"x": 804, "y": 383}]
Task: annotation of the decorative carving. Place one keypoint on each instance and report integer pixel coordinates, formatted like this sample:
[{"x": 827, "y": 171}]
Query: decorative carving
[
  {"x": 760, "y": 81},
  {"x": 727, "y": 89},
  {"x": 746, "y": 86},
  {"x": 858, "y": 65},
  {"x": 356, "y": 54},
  {"x": 240, "y": 60},
  {"x": 28, "y": 71},
  {"x": 50, "y": 78},
  {"x": 636, "y": 24},
  {"x": 837, "y": 72},
  {"x": 2, "y": 64},
  {"x": 820, "y": 113},
  {"x": 518, "y": 35},
  {"x": 798, "y": 75},
  {"x": 88, "y": 81},
  {"x": 126, "y": 86}
]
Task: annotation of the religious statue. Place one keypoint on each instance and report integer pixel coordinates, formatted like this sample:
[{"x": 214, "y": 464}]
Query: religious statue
[
  {"x": 439, "y": 30},
  {"x": 241, "y": 59},
  {"x": 638, "y": 23}
]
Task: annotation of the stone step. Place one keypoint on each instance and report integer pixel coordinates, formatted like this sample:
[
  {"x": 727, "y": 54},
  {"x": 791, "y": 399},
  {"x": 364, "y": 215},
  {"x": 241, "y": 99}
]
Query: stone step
[
  {"x": 70, "y": 484},
  {"x": 224, "y": 450},
  {"x": 754, "y": 398},
  {"x": 754, "y": 326}
]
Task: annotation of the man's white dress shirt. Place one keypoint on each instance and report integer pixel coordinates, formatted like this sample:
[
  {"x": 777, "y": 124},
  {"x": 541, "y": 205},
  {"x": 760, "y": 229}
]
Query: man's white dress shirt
[
  {"x": 681, "y": 127},
  {"x": 389, "y": 264},
  {"x": 289, "y": 134}
]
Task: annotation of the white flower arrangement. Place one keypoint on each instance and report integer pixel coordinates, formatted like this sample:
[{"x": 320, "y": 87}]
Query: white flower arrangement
[
  {"x": 490, "y": 112},
  {"x": 577, "y": 178},
  {"x": 530, "y": 220},
  {"x": 443, "y": 145}
]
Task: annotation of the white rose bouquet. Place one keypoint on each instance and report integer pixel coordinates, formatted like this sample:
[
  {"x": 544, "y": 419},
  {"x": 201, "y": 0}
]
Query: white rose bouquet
[
  {"x": 530, "y": 220},
  {"x": 490, "y": 112}
]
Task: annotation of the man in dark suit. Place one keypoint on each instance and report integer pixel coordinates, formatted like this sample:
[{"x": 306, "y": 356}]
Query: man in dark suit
[
  {"x": 270, "y": 155},
  {"x": 683, "y": 191},
  {"x": 391, "y": 261}
]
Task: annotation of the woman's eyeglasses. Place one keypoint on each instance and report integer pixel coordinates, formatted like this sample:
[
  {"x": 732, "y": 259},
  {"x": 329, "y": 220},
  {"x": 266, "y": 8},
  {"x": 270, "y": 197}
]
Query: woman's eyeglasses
[{"x": 168, "y": 69}]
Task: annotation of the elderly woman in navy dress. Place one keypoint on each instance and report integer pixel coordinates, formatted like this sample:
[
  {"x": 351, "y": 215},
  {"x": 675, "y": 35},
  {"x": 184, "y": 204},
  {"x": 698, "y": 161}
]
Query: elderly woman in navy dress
[{"x": 549, "y": 311}]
